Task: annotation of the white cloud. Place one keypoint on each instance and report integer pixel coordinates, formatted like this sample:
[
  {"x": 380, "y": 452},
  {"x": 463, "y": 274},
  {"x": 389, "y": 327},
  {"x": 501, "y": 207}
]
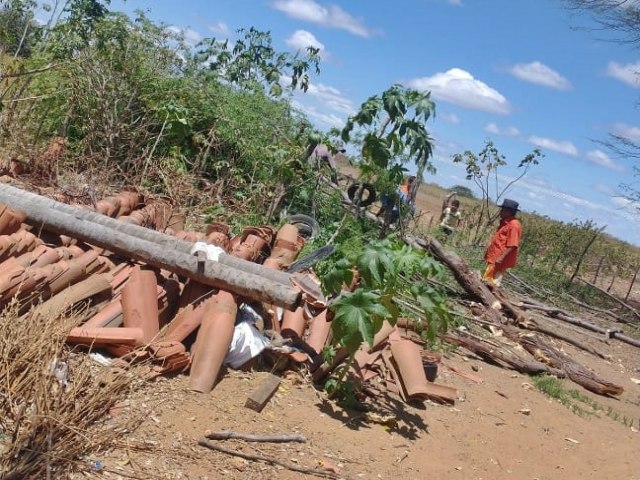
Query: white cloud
[
  {"x": 541, "y": 74},
  {"x": 329, "y": 16},
  {"x": 301, "y": 39},
  {"x": 600, "y": 158},
  {"x": 450, "y": 118},
  {"x": 461, "y": 88},
  {"x": 625, "y": 73},
  {"x": 602, "y": 188},
  {"x": 220, "y": 29},
  {"x": 627, "y": 131},
  {"x": 329, "y": 119},
  {"x": 191, "y": 37},
  {"x": 457, "y": 3},
  {"x": 559, "y": 146},
  {"x": 506, "y": 131},
  {"x": 332, "y": 98}
]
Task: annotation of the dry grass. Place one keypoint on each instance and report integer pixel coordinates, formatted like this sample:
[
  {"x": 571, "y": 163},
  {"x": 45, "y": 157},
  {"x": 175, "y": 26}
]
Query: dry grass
[{"x": 54, "y": 403}]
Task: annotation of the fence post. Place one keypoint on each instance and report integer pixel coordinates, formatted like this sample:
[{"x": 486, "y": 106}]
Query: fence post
[
  {"x": 595, "y": 277},
  {"x": 614, "y": 272},
  {"x": 633, "y": 280},
  {"x": 593, "y": 239}
]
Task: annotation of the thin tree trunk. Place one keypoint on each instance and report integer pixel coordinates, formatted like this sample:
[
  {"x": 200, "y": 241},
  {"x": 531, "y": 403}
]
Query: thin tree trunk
[{"x": 584, "y": 252}]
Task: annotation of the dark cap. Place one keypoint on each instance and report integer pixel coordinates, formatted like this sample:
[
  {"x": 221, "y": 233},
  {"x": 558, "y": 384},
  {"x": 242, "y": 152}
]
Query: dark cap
[{"x": 510, "y": 204}]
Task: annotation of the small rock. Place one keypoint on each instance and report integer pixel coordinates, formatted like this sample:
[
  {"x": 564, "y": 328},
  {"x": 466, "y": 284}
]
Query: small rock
[{"x": 525, "y": 411}]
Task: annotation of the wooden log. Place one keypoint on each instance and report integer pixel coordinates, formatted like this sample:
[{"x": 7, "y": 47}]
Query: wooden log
[
  {"x": 465, "y": 277},
  {"x": 487, "y": 352},
  {"x": 204, "y": 271},
  {"x": 576, "y": 372},
  {"x": 166, "y": 241},
  {"x": 261, "y": 395},
  {"x": 565, "y": 317}
]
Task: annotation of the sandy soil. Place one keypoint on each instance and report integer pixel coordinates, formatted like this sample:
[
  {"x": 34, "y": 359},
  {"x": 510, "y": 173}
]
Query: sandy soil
[{"x": 502, "y": 428}]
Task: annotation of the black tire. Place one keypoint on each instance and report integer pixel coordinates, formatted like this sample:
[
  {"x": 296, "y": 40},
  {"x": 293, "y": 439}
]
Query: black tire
[
  {"x": 307, "y": 226},
  {"x": 311, "y": 259},
  {"x": 368, "y": 194}
]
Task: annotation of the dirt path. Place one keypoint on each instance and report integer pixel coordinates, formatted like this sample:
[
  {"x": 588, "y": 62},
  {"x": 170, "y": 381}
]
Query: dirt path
[{"x": 502, "y": 428}]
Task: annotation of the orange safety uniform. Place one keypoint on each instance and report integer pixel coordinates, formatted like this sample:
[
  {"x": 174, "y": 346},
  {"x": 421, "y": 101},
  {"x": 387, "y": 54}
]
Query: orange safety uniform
[{"x": 508, "y": 235}]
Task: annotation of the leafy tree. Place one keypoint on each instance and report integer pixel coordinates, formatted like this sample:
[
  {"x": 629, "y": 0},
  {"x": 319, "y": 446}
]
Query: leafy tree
[
  {"x": 18, "y": 29},
  {"x": 392, "y": 130},
  {"x": 483, "y": 170},
  {"x": 462, "y": 191},
  {"x": 252, "y": 63}
]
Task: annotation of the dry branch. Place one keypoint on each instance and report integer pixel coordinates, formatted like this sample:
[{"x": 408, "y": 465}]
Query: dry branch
[
  {"x": 270, "y": 460},
  {"x": 521, "y": 365},
  {"x": 247, "y": 437}
]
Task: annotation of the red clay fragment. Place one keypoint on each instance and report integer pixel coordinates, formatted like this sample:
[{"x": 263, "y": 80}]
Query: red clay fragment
[
  {"x": 293, "y": 323},
  {"x": 105, "y": 336},
  {"x": 319, "y": 332},
  {"x": 406, "y": 355},
  {"x": 213, "y": 340},
  {"x": 10, "y": 220},
  {"x": 104, "y": 316},
  {"x": 140, "y": 303}
]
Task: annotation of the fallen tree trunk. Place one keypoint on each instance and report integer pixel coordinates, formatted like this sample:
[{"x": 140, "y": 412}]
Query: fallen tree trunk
[
  {"x": 536, "y": 327},
  {"x": 16, "y": 197},
  {"x": 465, "y": 277},
  {"x": 576, "y": 372},
  {"x": 204, "y": 271},
  {"x": 532, "y": 367},
  {"x": 565, "y": 317}
]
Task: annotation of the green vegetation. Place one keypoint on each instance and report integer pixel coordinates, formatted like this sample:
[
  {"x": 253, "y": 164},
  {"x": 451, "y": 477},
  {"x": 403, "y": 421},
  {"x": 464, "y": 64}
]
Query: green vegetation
[{"x": 577, "y": 402}]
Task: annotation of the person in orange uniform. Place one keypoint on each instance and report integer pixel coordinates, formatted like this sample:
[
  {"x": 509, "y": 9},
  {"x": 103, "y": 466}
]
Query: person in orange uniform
[{"x": 502, "y": 252}]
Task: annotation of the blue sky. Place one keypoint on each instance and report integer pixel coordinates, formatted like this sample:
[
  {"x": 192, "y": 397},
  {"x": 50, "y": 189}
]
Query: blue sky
[{"x": 517, "y": 72}]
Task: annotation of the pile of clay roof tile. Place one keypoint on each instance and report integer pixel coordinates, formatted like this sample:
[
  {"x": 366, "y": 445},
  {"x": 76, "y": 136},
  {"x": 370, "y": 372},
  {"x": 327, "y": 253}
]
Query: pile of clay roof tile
[{"x": 137, "y": 312}]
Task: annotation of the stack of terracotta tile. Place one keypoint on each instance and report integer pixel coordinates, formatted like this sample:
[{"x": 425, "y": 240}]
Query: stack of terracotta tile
[{"x": 142, "y": 313}]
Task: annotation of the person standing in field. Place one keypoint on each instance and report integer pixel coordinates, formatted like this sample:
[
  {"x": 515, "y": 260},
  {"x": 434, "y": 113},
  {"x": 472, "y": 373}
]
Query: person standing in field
[
  {"x": 450, "y": 219},
  {"x": 502, "y": 252},
  {"x": 322, "y": 154}
]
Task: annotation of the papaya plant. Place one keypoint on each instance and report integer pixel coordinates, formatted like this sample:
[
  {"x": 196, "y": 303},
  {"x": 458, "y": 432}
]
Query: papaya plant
[{"x": 387, "y": 271}]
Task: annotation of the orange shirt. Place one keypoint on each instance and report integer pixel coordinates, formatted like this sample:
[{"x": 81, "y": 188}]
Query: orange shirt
[{"x": 508, "y": 235}]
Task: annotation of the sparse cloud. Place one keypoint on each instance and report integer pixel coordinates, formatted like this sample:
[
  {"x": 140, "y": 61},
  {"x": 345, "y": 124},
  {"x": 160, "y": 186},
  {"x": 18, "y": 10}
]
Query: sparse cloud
[
  {"x": 602, "y": 188},
  {"x": 220, "y": 29},
  {"x": 332, "y": 16},
  {"x": 560, "y": 146},
  {"x": 627, "y": 131},
  {"x": 627, "y": 73},
  {"x": 600, "y": 158},
  {"x": 328, "y": 119},
  {"x": 191, "y": 37},
  {"x": 302, "y": 39},
  {"x": 450, "y": 118},
  {"x": 459, "y": 87},
  {"x": 505, "y": 131},
  {"x": 540, "y": 74},
  {"x": 331, "y": 98},
  {"x": 457, "y": 3}
]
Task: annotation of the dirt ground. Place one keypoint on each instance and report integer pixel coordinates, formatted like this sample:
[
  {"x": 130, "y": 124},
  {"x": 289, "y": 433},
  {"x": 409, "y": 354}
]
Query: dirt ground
[{"x": 500, "y": 428}]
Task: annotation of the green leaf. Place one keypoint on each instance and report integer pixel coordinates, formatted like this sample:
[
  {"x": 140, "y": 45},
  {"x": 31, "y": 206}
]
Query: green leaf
[
  {"x": 373, "y": 264},
  {"x": 355, "y": 316}
]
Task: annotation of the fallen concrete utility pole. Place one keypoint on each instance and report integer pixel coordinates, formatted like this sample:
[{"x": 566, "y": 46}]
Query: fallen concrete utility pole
[
  {"x": 204, "y": 271},
  {"x": 162, "y": 239}
]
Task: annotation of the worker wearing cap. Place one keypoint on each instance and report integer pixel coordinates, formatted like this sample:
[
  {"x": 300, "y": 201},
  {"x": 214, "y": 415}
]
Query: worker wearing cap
[{"x": 502, "y": 252}]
